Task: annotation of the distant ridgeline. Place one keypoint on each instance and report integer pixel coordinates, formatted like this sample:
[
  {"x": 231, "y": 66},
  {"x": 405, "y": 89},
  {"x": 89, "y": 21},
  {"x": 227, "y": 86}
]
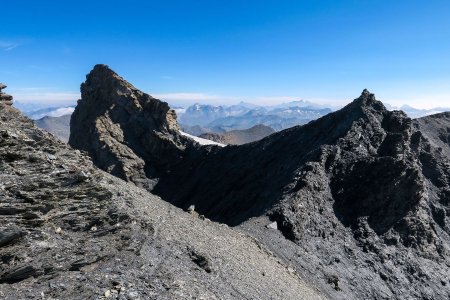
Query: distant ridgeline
[{"x": 243, "y": 116}]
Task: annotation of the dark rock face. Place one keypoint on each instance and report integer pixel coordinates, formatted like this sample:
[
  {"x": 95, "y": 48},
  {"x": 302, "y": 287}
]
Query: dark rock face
[
  {"x": 71, "y": 231},
  {"x": 363, "y": 186},
  {"x": 240, "y": 137},
  {"x": 126, "y": 132},
  {"x": 360, "y": 198}
]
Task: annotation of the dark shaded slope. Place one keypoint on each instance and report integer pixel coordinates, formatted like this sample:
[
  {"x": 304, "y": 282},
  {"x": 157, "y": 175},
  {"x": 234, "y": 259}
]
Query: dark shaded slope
[
  {"x": 435, "y": 162},
  {"x": 360, "y": 195},
  {"x": 244, "y": 181}
]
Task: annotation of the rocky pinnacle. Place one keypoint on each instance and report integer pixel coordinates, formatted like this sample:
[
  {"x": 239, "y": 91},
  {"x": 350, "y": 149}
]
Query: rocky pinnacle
[
  {"x": 5, "y": 98},
  {"x": 126, "y": 132}
]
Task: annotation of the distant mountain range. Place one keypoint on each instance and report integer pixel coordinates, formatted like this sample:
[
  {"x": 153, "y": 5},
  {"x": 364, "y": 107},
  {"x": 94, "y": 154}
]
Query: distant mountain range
[
  {"x": 38, "y": 111},
  {"x": 244, "y": 115},
  {"x": 216, "y": 122},
  {"x": 203, "y": 118},
  {"x": 419, "y": 113}
]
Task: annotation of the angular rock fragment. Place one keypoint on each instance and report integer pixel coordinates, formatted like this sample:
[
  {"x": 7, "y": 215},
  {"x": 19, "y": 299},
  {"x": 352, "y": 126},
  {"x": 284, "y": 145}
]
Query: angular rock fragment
[
  {"x": 17, "y": 274},
  {"x": 9, "y": 235}
]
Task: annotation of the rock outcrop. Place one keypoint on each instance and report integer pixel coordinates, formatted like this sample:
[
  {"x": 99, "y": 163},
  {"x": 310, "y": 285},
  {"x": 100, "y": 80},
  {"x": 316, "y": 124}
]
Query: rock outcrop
[
  {"x": 126, "y": 132},
  {"x": 5, "y": 98},
  {"x": 71, "y": 231},
  {"x": 360, "y": 198}
]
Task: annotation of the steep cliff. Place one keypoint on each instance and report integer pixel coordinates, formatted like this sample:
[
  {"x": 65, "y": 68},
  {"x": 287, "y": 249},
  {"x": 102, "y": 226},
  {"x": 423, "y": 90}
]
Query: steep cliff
[{"x": 126, "y": 132}]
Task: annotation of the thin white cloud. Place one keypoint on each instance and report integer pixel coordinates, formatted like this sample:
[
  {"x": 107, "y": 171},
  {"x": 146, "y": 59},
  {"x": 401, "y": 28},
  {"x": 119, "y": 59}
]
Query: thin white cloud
[
  {"x": 428, "y": 101},
  {"x": 11, "y": 47},
  {"x": 420, "y": 100},
  {"x": 190, "y": 98},
  {"x": 166, "y": 77},
  {"x": 8, "y": 46},
  {"x": 40, "y": 112},
  {"x": 62, "y": 111},
  {"x": 51, "y": 98},
  {"x": 276, "y": 100},
  {"x": 187, "y": 96},
  {"x": 34, "y": 89},
  {"x": 186, "y": 99}
]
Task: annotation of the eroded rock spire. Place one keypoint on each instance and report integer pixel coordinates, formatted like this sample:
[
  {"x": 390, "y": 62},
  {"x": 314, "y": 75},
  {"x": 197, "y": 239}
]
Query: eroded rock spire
[
  {"x": 5, "y": 98},
  {"x": 127, "y": 132}
]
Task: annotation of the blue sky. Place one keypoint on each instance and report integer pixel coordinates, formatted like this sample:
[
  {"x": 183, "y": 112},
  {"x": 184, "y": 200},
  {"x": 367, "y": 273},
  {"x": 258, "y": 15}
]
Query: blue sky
[{"x": 228, "y": 51}]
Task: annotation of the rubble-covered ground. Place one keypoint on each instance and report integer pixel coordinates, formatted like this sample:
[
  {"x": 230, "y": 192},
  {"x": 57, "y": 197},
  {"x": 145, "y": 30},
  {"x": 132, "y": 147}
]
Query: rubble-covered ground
[{"x": 71, "y": 231}]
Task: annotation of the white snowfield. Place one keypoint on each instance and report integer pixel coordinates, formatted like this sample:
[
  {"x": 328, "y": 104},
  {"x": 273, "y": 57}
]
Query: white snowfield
[{"x": 201, "y": 141}]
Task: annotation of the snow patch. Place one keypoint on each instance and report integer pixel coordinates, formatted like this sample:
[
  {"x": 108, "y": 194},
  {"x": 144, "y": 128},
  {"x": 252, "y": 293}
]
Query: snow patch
[{"x": 200, "y": 140}]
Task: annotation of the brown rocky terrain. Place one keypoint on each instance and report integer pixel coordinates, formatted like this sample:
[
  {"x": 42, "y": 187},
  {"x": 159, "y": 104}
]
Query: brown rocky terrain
[
  {"x": 71, "y": 231},
  {"x": 359, "y": 198},
  {"x": 240, "y": 137}
]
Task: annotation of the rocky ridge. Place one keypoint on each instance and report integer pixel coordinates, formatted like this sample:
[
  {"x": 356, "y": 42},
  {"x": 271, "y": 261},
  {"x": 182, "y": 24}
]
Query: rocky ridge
[
  {"x": 239, "y": 137},
  {"x": 360, "y": 198},
  {"x": 71, "y": 231}
]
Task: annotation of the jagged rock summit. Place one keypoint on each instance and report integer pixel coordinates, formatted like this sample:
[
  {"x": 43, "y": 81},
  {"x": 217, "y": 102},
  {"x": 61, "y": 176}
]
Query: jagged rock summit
[
  {"x": 360, "y": 196},
  {"x": 126, "y": 132}
]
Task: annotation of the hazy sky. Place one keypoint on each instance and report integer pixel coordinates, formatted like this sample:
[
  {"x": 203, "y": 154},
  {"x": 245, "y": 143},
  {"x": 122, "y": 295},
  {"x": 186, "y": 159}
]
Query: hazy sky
[{"x": 227, "y": 51}]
